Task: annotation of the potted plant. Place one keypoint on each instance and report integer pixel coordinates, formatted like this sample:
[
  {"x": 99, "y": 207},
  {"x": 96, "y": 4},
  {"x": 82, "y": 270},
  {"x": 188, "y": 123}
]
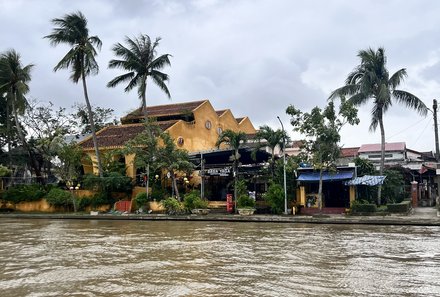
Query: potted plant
[
  {"x": 245, "y": 205},
  {"x": 195, "y": 204}
]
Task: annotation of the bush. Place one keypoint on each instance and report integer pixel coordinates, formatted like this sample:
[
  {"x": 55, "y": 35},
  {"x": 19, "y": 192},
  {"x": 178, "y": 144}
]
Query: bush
[
  {"x": 172, "y": 206},
  {"x": 275, "y": 198},
  {"x": 111, "y": 182},
  {"x": 84, "y": 202},
  {"x": 59, "y": 197},
  {"x": 244, "y": 201},
  {"x": 363, "y": 207},
  {"x": 402, "y": 207},
  {"x": 141, "y": 199},
  {"x": 157, "y": 193},
  {"x": 20, "y": 193},
  {"x": 193, "y": 200}
]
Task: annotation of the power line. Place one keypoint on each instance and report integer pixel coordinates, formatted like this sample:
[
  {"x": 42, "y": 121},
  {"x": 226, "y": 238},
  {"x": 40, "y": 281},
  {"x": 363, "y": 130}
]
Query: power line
[{"x": 410, "y": 126}]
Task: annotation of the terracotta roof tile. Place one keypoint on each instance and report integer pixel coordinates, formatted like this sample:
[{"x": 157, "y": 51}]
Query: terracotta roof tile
[
  {"x": 117, "y": 136},
  {"x": 349, "y": 152},
  {"x": 220, "y": 112},
  {"x": 165, "y": 110}
]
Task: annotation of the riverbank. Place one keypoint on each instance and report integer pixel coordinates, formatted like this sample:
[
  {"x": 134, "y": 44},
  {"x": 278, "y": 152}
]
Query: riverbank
[{"x": 421, "y": 219}]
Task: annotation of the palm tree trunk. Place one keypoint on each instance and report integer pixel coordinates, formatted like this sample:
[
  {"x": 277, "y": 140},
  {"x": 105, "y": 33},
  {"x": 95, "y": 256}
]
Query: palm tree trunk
[
  {"x": 92, "y": 124},
  {"x": 33, "y": 160},
  {"x": 235, "y": 179},
  {"x": 382, "y": 158},
  {"x": 144, "y": 99},
  {"x": 9, "y": 138},
  {"x": 272, "y": 169},
  {"x": 320, "y": 191}
]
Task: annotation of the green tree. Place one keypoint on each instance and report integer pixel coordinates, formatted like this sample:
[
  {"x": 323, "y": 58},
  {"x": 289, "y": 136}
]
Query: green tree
[
  {"x": 14, "y": 79},
  {"x": 234, "y": 140},
  {"x": 102, "y": 117},
  {"x": 172, "y": 159},
  {"x": 68, "y": 161},
  {"x": 139, "y": 58},
  {"x": 370, "y": 81},
  {"x": 266, "y": 136},
  {"x": 364, "y": 166},
  {"x": 72, "y": 30},
  {"x": 321, "y": 128}
]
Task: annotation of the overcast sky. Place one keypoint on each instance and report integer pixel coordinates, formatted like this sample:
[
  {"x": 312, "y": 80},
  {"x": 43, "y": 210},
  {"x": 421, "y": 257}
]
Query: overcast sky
[{"x": 254, "y": 57}]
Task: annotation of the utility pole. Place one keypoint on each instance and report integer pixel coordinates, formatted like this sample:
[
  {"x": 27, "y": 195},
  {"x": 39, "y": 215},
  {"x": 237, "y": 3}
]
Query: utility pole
[{"x": 437, "y": 153}]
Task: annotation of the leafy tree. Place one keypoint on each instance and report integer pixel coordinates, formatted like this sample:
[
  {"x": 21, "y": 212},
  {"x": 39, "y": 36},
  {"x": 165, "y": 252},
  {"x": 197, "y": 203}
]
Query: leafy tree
[
  {"x": 364, "y": 166},
  {"x": 140, "y": 59},
  {"x": 172, "y": 159},
  {"x": 68, "y": 161},
  {"x": 370, "y": 81},
  {"x": 102, "y": 117},
  {"x": 46, "y": 126},
  {"x": 266, "y": 136},
  {"x": 275, "y": 198},
  {"x": 72, "y": 30},
  {"x": 234, "y": 140},
  {"x": 14, "y": 79},
  {"x": 321, "y": 128}
]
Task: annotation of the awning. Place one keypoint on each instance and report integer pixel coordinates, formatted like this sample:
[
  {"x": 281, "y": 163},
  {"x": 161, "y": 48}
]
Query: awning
[
  {"x": 326, "y": 176},
  {"x": 366, "y": 180}
]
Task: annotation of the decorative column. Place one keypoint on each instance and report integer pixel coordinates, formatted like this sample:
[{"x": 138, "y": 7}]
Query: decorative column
[{"x": 414, "y": 194}]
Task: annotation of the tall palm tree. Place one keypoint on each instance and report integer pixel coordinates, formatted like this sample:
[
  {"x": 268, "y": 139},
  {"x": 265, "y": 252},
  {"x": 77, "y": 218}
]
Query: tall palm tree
[
  {"x": 266, "y": 136},
  {"x": 72, "y": 30},
  {"x": 234, "y": 140},
  {"x": 14, "y": 79},
  {"x": 371, "y": 82},
  {"x": 139, "y": 58}
]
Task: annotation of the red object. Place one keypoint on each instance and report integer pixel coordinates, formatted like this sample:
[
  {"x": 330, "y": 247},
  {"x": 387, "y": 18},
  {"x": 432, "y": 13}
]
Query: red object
[
  {"x": 229, "y": 203},
  {"x": 123, "y": 206},
  {"x": 414, "y": 194}
]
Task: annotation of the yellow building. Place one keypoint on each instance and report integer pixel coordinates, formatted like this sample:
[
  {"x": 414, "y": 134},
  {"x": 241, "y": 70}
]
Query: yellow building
[{"x": 195, "y": 126}]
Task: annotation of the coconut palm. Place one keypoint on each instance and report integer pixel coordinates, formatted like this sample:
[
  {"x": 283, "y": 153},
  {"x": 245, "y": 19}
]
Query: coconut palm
[
  {"x": 72, "y": 30},
  {"x": 139, "y": 58},
  {"x": 14, "y": 79},
  {"x": 370, "y": 82},
  {"x": 266, "y": 136},
  {"x": 234, "y": 140}
]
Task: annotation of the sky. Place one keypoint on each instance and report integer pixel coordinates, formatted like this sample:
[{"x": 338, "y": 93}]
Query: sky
[{"x": 254, "y": 57}]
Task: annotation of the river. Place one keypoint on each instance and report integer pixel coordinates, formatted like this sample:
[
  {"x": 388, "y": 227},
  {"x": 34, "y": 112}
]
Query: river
[{"x": 169, "y": 258}]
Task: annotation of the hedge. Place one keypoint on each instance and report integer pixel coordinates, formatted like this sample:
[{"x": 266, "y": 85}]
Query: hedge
[
  {"x": 358, "y": 207},
  {"x": 402, "y": 207}
]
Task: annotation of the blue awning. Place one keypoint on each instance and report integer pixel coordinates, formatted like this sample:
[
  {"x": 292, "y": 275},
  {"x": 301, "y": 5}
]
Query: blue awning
[
  {"x": 326, "y": 176},
  {"x": 366, "y": 180}
]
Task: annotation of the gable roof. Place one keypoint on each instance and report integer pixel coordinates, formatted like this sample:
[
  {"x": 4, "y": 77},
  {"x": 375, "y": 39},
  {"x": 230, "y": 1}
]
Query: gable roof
[
  {"x": 389, "y": 147},
  {"x": 221, "y": 112},
  {"x": 117, "y": 136},
  {"x": 164, "y": 110},
  {"x": 349, "y": 152}
]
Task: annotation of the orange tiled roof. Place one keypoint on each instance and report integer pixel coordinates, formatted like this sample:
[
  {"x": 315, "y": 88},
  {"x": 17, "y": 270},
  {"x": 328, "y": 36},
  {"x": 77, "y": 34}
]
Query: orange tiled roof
[
  {"x": 117, "y": 136},
  {"x": 349, "y": 152},
  {"x": 164, "y": 110}
]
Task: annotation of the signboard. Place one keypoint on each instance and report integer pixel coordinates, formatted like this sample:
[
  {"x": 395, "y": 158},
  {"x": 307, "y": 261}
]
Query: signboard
[{"x": 226, "y": 171}]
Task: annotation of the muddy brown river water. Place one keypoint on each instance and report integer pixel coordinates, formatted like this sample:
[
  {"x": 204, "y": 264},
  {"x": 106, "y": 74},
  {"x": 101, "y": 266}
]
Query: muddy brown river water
[{"x": 147, "y": 258}]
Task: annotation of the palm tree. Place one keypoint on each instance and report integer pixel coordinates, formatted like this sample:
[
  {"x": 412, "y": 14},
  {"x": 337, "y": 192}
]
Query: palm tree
[
  {"x": 139, "y": 58},
  {"x": 234, "y": 140},
  {"x": 370, "y": 81},
  {"x": 271, "y": 139},
  {"x": 14, "y": 79},
  {"x": 72, "y": 30}
]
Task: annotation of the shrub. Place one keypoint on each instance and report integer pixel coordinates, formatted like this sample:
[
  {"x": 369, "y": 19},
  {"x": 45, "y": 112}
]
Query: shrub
[
  {"x": 402, "y": 207},
  {"x": 84, "y": 202},
  {"x": 157, "y": 193},
  {"x": 172, "y": 206},
  {"x": 275, "y": 198},
  {"x": 141, "y": 199},
  {"x": 59, "y": 197},
  {"x": 111, "y": 182},
  {"x": 362, "y": 207},
  {"x": 244, "y": 201},
  {"x": 193, "y": 200},
  {"x": 20, "y": 193}
]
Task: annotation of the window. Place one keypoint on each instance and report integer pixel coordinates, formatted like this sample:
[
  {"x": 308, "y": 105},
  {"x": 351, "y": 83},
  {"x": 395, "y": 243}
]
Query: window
[{"x": 208, "y": 124}]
